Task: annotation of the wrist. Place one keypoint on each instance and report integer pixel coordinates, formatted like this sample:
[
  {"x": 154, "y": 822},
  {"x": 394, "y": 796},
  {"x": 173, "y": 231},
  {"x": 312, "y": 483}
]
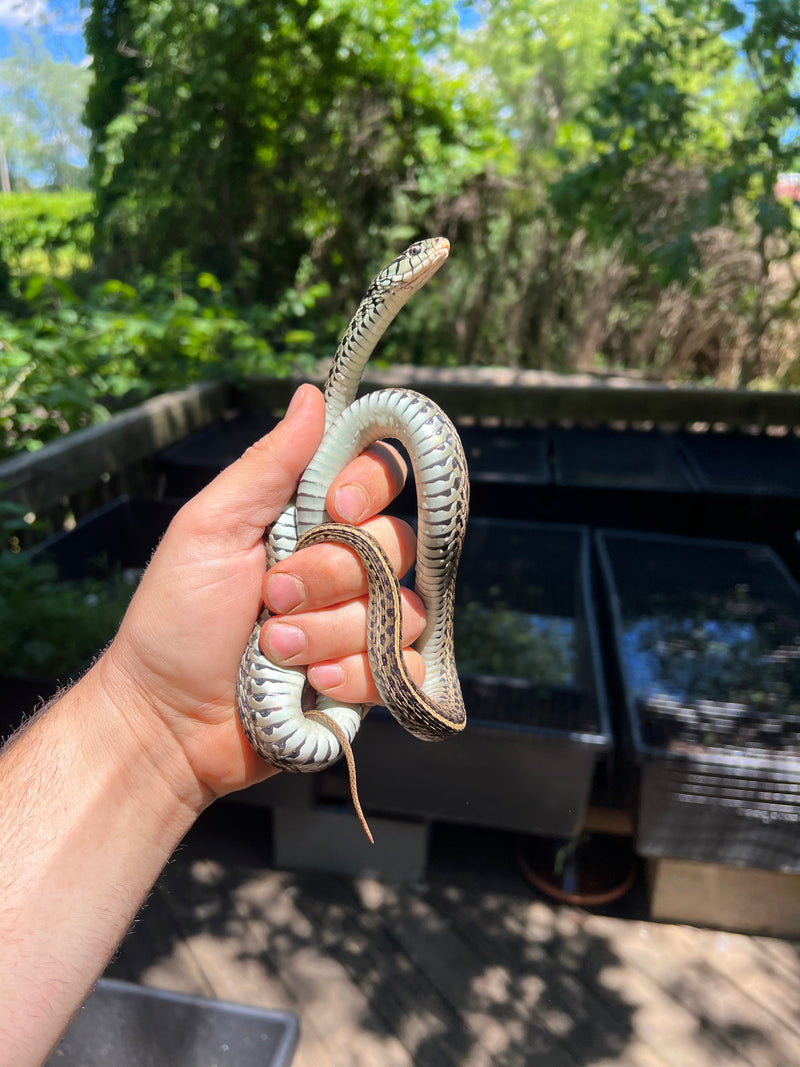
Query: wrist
[{"x": 135, "y": 736}]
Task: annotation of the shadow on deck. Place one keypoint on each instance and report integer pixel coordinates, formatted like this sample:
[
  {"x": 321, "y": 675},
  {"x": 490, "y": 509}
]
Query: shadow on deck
[{"x": 470, "y": 968}]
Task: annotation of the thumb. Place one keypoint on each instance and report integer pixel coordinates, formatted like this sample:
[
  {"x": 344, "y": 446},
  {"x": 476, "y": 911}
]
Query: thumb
[{"x": 252, "y": 492}]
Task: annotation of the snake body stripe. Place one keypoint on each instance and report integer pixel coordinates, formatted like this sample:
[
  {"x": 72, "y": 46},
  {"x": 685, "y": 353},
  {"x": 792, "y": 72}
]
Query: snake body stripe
[{"x": 270, "y": 699}]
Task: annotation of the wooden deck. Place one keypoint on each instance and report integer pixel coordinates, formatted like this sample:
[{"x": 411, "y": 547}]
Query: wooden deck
[{"x": 470, "y": 969}]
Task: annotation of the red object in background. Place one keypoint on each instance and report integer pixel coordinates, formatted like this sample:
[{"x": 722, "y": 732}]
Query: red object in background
[{"x": 788, "y": 185}]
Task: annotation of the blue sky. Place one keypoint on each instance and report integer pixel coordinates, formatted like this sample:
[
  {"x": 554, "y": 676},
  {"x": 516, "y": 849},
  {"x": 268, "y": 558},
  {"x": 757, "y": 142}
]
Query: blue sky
[{"x": 58, "y": 21}]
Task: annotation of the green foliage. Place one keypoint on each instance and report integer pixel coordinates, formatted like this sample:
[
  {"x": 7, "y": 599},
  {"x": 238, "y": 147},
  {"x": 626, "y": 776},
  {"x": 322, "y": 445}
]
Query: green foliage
[
  {"x": 41, "y": 100},
  {"x": 72, "y": 621},
  {"x": 501, "y": 641},
  {"x": 69, "y": 360},
  {"x": 45, "y": 231},
  {"x": 604, "y": 171},
  {"x": 302, "y": 147},
  {"x": 656, "y": 135},
  {"x": 688, "y": 133}
]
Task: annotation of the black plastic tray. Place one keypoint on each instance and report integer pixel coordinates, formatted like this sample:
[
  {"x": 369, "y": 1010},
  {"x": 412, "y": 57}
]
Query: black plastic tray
[
  {"x": 127, "y": 1025},
  {"x": 742, "y": 463},
  {"x": 707, "y": 646},
  {"x": 504, "y": 463},
  {"x": 619, "y": 459},
  {"x": 537, "y": 715},
  {"x": 634, "y": 479},
  {"x": 513, "y": 455},
  {"x": 509, "y": 471},
  {"x": 191, "y": 464},
  {"x": 123, "y": 533},
  {"x": 750, "y": 488}
]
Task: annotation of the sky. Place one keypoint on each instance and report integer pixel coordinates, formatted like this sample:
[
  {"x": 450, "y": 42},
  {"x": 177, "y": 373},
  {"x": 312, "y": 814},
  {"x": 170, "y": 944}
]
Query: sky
[{"x": 58, "y": 21}]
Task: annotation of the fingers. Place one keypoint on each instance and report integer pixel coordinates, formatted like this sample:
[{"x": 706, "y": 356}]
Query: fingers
[
  {"x": 367, "y": 485},
  {"x": 332, "y": 633},
  {"x": 320, "y": 592},
  {"x": 349, "y": 679},
  {"x": 250, "y": 494},
  {"x": 327, "y": 574}
]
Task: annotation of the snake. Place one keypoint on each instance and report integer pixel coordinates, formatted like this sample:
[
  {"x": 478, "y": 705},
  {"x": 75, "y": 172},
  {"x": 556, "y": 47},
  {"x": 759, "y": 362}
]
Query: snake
[{"x": 285, "y": 721}]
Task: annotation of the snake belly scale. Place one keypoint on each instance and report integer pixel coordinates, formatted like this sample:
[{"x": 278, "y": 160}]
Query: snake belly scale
[{"x": 273, "y": 702}]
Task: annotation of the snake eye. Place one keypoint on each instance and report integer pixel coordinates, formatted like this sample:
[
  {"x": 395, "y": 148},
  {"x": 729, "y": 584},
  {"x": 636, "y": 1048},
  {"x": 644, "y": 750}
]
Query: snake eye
[{"x": 417, "y": 249}]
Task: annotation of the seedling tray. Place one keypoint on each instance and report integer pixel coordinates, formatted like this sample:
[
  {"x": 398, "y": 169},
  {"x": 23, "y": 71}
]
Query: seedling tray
[
  {"x": 128, "y": 1025},
  {"x": 707, "y": 647},
  {"x": 743, "y": 463},
  {"x": 191, "y": 464},
  {"x": 632, "y": 478},
  {"x": 527, "y": 649}
]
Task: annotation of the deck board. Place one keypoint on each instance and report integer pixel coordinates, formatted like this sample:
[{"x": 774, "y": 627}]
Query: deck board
[{"x": 471, "y": 969}]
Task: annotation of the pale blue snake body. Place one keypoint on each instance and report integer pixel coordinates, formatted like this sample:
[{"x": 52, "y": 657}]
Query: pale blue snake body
[{"x": 270, "y": 699}]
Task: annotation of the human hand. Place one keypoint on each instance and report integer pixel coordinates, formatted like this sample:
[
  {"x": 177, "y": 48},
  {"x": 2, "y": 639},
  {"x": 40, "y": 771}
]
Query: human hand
[{"x": 179, "y": 646}]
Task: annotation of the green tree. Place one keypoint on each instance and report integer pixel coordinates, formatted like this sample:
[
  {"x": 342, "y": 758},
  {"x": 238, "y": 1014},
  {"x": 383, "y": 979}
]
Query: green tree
[
  {"x": 41, "y": 104},
  {"x": 688, "y": 133},
  {"x": 250, "y": 134},
  {"x": 530, "y": 68}
]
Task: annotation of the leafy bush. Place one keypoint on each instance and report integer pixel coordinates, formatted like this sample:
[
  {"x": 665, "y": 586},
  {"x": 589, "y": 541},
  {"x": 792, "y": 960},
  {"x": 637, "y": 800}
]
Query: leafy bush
[
  {"x": 515, "y": 644},
  {"x": 72, "y": 621},
  {"x": 68, "y": 361},
  {"x": 46, "y": 231}
]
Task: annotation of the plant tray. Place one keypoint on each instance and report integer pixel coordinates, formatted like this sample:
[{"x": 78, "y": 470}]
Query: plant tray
[
  {"x": 123, "y": 534},
  {"x": 511, "y": 455},
  {"x": 707, "y": 648},
  {"x": 130, "y": 1025},
  {"x": 746, "y": 464},
  {"x": 118, "y": 537},
  {"x": 527, "y": 649},
  {"x": 191, "y": 464},
  {"x": 619, "y": 459},
  {"x": 631, "y": 478},
  {"x": 509, "y": 472},
  {"x": 750, "y": 488}
]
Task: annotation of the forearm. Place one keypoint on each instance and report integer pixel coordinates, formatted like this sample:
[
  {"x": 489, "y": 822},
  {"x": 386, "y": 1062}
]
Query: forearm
[{"x": 90, "y": 811}]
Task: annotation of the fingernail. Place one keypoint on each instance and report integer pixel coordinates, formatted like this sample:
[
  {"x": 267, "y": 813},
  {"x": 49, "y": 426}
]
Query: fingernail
[
  {"x": 285, "y": 641},
  {"x": 351, "y": 503},
  {"x": 284, "y": 592},
  {"x": 326, "y": 675},
  {"x": 296, "y": 402}
]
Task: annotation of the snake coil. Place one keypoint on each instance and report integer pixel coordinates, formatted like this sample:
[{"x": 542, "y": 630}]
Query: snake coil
[{"x": 270, "y": 698}]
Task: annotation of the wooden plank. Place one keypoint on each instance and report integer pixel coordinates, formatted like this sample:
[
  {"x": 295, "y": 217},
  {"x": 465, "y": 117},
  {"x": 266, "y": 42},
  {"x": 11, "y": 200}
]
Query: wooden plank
[
  {"x": 541, "y": 951},
  {"x": 540, "y": 397},
  {"x": 258, "y": 947},
  {"x": 726, "y": 1023},
  {"x": 155, "y": 952},
  {"x": 339, "y": 1011},
  {"x": 738, "y": 959},
  {"x": 729, "y": 898},
  {"x": 471, "y": 970},
  {"x": 493, "y": 1028},
  {"x": 785, "y": 955},
  {"x": 409, "y": 1004},
  {"x": 40, "y": 479}
]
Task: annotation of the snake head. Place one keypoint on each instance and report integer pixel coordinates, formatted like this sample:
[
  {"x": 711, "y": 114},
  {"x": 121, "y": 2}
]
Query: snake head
[{"x": 415, "y": 266}]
